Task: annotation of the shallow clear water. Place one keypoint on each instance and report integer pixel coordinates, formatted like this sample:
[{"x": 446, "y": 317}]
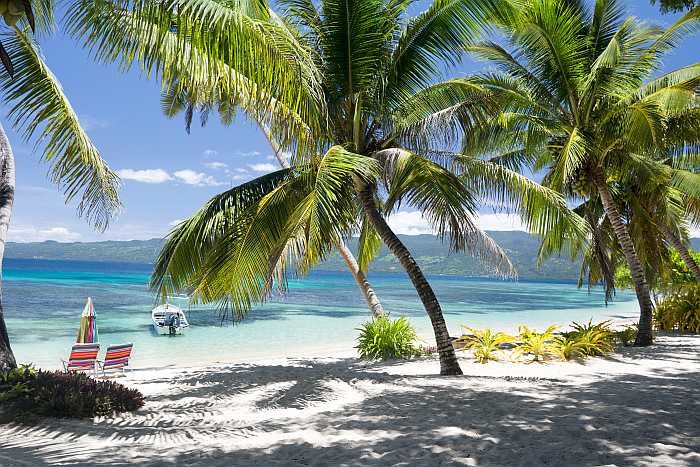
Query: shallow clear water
[{"x": 318, "y": 315}]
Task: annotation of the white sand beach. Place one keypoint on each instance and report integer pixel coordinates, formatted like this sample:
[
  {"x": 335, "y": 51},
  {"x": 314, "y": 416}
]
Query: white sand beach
[{"x": 639, "y": 407}]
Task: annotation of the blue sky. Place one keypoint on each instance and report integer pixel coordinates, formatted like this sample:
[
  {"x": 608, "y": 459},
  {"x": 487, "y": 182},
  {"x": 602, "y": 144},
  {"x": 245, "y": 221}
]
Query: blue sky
[{"x": 167, "y": 174}]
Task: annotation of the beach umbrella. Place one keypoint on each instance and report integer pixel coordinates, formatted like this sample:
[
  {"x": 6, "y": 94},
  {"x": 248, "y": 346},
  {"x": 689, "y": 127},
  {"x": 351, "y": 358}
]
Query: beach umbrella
[{"x": 87, "y": 334}]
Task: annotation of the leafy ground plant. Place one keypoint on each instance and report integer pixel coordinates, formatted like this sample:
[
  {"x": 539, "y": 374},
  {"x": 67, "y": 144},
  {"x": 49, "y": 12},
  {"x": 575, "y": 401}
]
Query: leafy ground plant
[
  {"x": 594, "y": 339},
  {"x": 537, "y": 345},
  {"x": 680, "y": 311},
  {"x": 28, "y": 391},
  {"x": 385, "y": 339},
  {"x": 566, "y": 347},
  {"x": 626, "y": 335},
  {"x": 484, "y": 343}
]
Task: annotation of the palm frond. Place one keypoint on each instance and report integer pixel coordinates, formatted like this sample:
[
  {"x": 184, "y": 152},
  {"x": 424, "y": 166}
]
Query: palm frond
[{"x": 41, "y": 111}]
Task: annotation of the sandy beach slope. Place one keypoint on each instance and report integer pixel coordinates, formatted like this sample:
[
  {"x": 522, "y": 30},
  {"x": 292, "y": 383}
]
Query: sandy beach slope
[{"x": 640, "y": 407}]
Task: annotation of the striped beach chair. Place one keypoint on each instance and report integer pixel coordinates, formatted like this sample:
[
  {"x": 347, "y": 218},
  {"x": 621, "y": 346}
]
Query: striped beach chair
[
  {"x": 117, "y": 357},
  {"x": 82, "y": 358}
]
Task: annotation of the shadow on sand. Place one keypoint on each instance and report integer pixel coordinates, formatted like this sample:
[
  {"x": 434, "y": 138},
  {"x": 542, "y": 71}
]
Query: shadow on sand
[{"x": 343, "y": 412}]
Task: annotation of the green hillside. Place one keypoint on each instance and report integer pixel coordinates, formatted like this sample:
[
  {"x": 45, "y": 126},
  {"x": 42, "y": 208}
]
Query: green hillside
[{"x": 431, "y": 253}]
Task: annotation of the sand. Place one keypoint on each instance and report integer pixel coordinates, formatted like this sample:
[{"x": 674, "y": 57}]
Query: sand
[{"x": 639, "y": 407}]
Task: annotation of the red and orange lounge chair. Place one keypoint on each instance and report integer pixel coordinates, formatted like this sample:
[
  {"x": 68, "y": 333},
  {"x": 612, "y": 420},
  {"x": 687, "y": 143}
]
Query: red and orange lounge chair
[
  {"x": 117, "y": 357},
  {"x": 82, "y": 358}
]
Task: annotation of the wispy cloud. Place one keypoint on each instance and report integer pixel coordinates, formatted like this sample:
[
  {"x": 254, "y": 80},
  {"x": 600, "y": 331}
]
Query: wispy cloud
[
  {"x": 413, "y": 223},
  {"x": 145, "y": 176},
  {"x": 91, "y": 123},
  {"x": 190, "y": 177},
  {"x": 210, "y": 152},
  {"x": 29, "y": 233},
  {"x": 215, "y": 165},
  {"x": 247, "y": 153},
  {"x": 262, "y": 167},
  {"x": 175, "y": 222}
]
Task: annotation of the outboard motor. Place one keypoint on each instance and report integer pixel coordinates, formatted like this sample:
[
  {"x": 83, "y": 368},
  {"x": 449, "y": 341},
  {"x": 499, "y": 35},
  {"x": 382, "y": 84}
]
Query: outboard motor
[{"x": 172, "y": 320}]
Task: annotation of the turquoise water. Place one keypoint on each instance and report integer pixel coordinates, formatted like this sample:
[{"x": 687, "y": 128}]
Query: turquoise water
[{"x": 318, "y": 316}]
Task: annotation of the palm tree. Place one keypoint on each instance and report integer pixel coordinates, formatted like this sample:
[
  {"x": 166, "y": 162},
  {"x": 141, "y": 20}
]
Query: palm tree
[
  {"x": 378, "y": 138},
  {"x": 39, "y": 109},
  {"x": 579, "y": 102},
  {"x": 174, "y": 103}
]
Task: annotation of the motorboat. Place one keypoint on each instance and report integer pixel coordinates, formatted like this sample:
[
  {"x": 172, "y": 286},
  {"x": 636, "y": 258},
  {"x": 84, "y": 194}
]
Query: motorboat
[{"x": 169, "y": 319}]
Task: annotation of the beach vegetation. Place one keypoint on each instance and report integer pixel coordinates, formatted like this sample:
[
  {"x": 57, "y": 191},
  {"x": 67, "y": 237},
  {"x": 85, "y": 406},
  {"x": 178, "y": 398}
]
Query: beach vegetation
[
  {"x": 583, "y": 101},
  {"x": 28, "y": 391},
  {"x": 626, "y": 335},
  {"x": 484, "y": 344},
  {"x": 383, "y": 338},
  {"x": 374, "y": 130},
  {"x": 592, "y": 339},
  {"x": 566, "y": 347},
  {"x": 680, "y": 311},
  {"x": 538, "y": 345},
  {"x": 39, "y": 111}
]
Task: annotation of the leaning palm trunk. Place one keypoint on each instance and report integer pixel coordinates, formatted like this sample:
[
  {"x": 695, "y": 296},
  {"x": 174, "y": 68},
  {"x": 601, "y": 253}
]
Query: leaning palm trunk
[
  {"x": 448, "y": 359},
  {"x": 641, "y": 288},
  {"x": 366, "y": 288},
  {"x": 682, "y": 249},
  {"x": 7, "y": 197}
]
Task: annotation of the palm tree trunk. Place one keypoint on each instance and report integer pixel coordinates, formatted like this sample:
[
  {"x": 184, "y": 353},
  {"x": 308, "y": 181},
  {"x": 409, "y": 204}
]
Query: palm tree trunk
[
  {"x": 366, "y": 288},
  {"x": 7, "y": 197},
  {"x": 682, "y": 249},
  {"x": 644, "y": 336},
  {"x": 448, "y": 359}
]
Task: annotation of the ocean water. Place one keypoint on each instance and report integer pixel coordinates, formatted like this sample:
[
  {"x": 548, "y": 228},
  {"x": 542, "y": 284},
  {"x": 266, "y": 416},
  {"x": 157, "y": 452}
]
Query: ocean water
[{"x": 318, "y": 316}]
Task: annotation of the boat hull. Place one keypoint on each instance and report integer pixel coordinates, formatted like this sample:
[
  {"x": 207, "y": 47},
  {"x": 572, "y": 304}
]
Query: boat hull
[{"x": 165, "y": 330}]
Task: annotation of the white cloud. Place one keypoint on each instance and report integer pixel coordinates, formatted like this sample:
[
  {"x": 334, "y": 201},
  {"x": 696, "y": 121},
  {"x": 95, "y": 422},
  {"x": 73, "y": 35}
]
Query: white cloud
[
  {"x": 215, "y": 165},
  {"x": 93, "y": 123},
  {"x": 145, "y": 176},
  {"x": 28, "y": 233},
  {"x": 502, "y": 222},
  {"x": 238, "y": 177},
  {"x": 413, "y": 223},
  {"x": 262, "y": 167},
  {"x": 247, "y": 153},
  {"x": 175, "y": 222},
  {"x": 210, "y": 152},
  {"x": 191, "y": 177},
  {"x": 241, "y": 170},
  {"x": 409, "y": 223}
]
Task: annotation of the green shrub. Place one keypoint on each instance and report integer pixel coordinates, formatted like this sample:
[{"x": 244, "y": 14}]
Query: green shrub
[
  {"x": 593, "y": 339},
  {"x": 57, "y": 394},
  {"x": 627, "y": 335},
  {"x": 566, "y": 347},
  {"x": 537, "y": 345},
  {"x": 680, "y": 311},
  {"x": 484, "y": 344},
  {"x": 386, "y": 339}
]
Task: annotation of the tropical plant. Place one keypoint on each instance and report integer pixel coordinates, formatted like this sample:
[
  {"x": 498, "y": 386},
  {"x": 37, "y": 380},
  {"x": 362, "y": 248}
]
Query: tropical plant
[
  {"x": 593, "y": 339},
  {"x": 626, "y": 335},
  {"x": 676, "y": 5},
  {"x": 680, "y": 311},
  {"x": 673, "y": 273},
  {"x": 581, "y": 103},
  {"x": 40, "y": 111},
  {"x": 483, "y": 343},
  {"x": 26, "y": 390},
  {"x": 537, "y": 345},
  {"x": 383, "y": 338},
  {"x": 566, "y": 347},
  {"x": 377, "y": 138}
]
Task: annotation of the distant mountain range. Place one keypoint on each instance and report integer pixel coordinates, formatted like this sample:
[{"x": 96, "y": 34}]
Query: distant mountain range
[{"x": 432, "y": 255}]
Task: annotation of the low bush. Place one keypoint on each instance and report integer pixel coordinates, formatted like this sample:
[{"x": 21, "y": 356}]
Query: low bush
[
  {"x": 680, "y": 311},
  {"x": 386, "y": 339},
  {"x": 566, "y": 347},
  {"x": 484, "y": 343},
  {"x": 593, "y": 339},
  {"x": 627, "y": 335},
  {"x": 537, "y": 345},
  {"x": 56, "y": 394}
]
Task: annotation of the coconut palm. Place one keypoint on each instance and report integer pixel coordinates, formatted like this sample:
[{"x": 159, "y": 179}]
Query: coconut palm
[
  {"x": 389, "y": 127},
  {"x": 41, "y": 112},
  {"x": 580, "y": 102}
]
